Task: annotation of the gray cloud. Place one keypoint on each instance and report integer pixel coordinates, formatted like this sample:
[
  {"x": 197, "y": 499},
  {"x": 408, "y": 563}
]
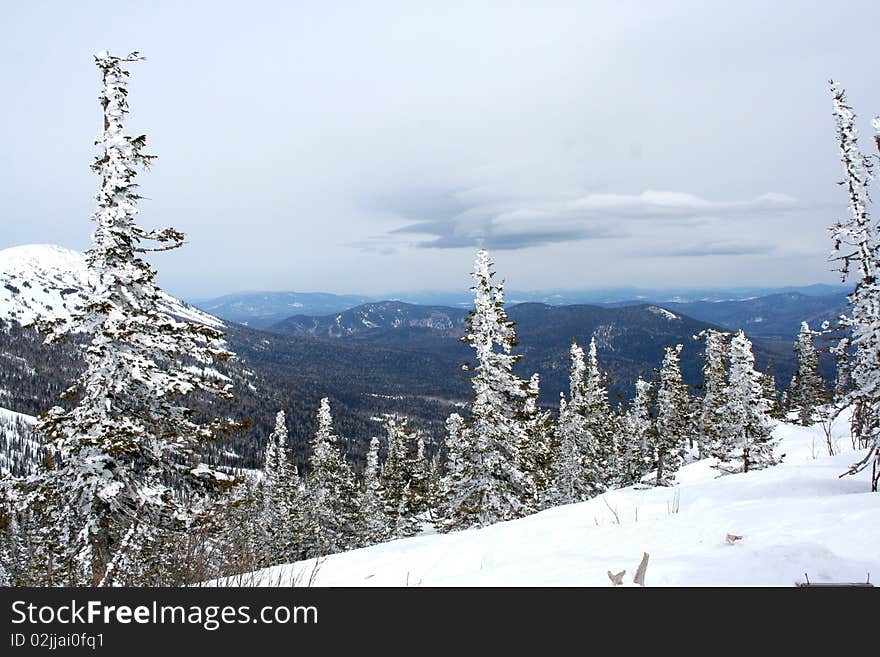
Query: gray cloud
[
  {"x": 493, "y": 236},
  {"x": 676, "y": 205},
  {"x": 501, "y": 223},
  {"x": 419, "y": 203},
  {"x": 720, "y": 248}
]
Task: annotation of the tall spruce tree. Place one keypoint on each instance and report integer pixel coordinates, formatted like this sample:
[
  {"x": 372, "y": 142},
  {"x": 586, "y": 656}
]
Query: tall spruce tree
[
  {"x": 748, "y": 442},
  {"x": 710, "y": 420},
  {"x": 770, "y": 392},
  {"x": 401, "y": 504},
  {"x": 842, "y": 378},
  {"x": 808, "y": 392},
  {"x": 579, "y": 466},
  {"x": 282, "y": 500},
  {"x": 857, "y": 242},
  {"x": 373, "y": 522},
  {"x": 265, "y": 528},
  {"x": 435, "y": 476},
  {"x": 567, "y": 483},
  {"x": 485, "y": 482},
  {"x": 455, "y": 426},
  {"x": 536, "y": 454},
  {"x": 636, "y": 459},
  {"x": 20, "y": 557},
  {"x": 673, "y": 424},
  {"x": 602, "y": 421},
  {"x": 331, "y": 510},
  {"x": 421, "y": 486},
  {"x": 242, "y": 536},
  {"x": 126, "y": 474}
]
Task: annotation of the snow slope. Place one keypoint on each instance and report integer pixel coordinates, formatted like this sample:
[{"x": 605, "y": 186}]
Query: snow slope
[
  {"x": 46, "y": 281},
  {"x": 795, "y": 518}
]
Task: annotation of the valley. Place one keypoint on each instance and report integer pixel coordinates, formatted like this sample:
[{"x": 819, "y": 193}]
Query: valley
[{"x": 378, "y": 358}]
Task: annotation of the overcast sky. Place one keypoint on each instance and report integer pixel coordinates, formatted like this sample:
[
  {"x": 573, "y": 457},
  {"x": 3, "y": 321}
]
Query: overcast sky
[{"x": 372, "y": 147}]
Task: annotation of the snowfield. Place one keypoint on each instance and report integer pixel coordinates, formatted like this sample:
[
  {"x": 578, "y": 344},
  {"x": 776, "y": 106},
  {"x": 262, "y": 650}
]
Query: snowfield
[{"x": 796, "y": 518}]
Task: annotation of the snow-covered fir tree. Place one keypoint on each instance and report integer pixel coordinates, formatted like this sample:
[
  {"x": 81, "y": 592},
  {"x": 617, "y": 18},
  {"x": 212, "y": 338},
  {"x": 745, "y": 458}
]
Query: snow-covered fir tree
[
  {"x": 770, "y": 392},
  {"x": 281, "y": 499},
  {"x": 435, "y": 474},
  {"x": 421, "y": 486},
  {"x": 332, "y": 506},
  {"x": 603, "y": 423},
  {"x": 784, "y": 406},
  {"x": 790, "y": 402},
  {"x": 9, "y": 564},
  {"x": 270, "y": 452},
  {"x": 567, "y": 483},
  {"x": 579, "y": 467},
  {"x": 373, "y": 523},
  {"x": 19, "y": 557},
  {"x": 444, "y": 470},
  {"x": 710, "y": 420},
  {"x": 808, "y": 392},
  {"x": 636, "y": 458},
  {"x": 748, "y": 443},
  {"x": 857, "y": 242},
  {"x": 454, "y": 435},
  {"x": 402, "y": 503},
  {"x": 536, "y": 453},
  {"x": 485, "y": 482},
  {"x": 242, "y": 537},
  {"x": 842, "y": 379},
  {"x": 673, "y": 426},
  {"x": 127, "y": 474}
]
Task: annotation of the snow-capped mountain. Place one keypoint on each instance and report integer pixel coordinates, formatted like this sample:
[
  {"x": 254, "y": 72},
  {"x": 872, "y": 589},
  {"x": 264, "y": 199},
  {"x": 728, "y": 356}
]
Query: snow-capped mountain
[{"x": 47, "y": 281}]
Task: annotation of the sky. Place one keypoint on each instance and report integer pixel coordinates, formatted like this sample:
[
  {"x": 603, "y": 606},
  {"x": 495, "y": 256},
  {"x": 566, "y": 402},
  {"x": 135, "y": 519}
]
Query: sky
[{"x": 374, "y": 147}]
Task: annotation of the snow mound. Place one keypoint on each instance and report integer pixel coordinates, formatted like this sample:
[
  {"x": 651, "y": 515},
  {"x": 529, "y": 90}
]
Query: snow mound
[
  {"x": 796, "y": 519},
  {"x": 47, "y": 281}
]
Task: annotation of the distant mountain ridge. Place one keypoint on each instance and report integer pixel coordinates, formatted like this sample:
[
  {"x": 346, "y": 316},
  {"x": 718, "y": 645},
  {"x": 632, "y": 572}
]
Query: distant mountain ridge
[
  {"x": 771, "y": 315},
  {"x": 630, "y": 339},
  {"x": 370, "y": 316},
  {"x": 263, "y": 309}
]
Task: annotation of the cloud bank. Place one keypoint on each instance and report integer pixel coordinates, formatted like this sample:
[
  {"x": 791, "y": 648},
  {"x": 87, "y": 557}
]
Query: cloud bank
[{"x": 456, "y": 219}]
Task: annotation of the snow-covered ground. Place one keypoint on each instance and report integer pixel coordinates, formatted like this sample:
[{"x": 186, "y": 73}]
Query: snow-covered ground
[{"x": 796, "y": 518}]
